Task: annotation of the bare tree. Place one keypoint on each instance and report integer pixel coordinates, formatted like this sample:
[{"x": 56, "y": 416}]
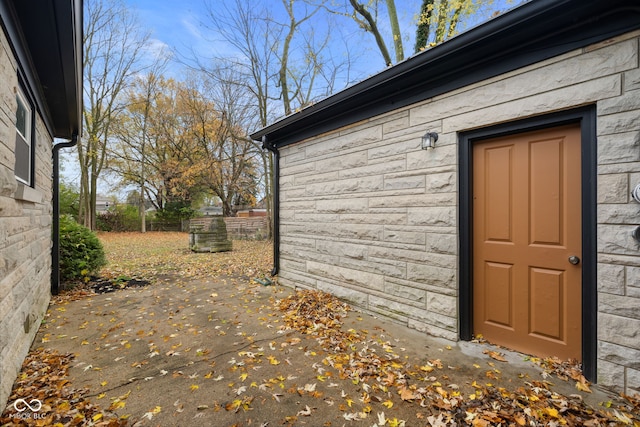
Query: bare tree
[
  {"x": 277, "y": 67},
  {"x": 250, "y": 32},
  {"x": 281, "y": 62},
  {"x": 437, "y": 21},
  {"x": 131, "y": 156},
  {"x": 113, "y": 46},
  {"x": 366, "y": 15},
  {"x": 239, "y": 157},
  {"x": 285, "y": 74}
]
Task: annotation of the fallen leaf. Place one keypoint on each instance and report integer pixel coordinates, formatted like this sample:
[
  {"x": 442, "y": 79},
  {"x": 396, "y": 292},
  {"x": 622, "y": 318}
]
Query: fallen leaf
[
  {"x": 306, "y": 412},
  {"x": 495, "y": 355}
]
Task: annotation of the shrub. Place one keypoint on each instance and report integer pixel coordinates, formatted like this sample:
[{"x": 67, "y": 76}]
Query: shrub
[
  {"x": 119, "y": 218},
  {"x": 81, "y": 253},
  {"x": 69, "y": 198},
  {"x": 175, "y": 211}
]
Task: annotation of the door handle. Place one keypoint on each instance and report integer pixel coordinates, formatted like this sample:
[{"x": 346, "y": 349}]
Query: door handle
[{"x": 574, "y": 260}]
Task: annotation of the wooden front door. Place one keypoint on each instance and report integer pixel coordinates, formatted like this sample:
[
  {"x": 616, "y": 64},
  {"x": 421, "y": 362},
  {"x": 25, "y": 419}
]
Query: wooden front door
[{"x": 527, "y": 271}]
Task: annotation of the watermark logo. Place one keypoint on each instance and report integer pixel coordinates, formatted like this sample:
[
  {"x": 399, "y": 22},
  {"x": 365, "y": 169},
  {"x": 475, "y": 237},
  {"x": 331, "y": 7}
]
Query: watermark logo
[
  {"x": 34, "y": 405},
  {"x": 22, "y": 405}
]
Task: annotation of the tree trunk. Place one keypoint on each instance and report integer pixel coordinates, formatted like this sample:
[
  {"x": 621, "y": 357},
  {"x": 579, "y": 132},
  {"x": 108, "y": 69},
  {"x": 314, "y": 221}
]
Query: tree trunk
[
  {"x": 453, "y": 23},
  {"x": 395, "y": 30},
  {"x": 373, "y": 27},
  {"x": 84, "y": 202},
  {"x": 227, "y": 209},
  {"x": 424, "y": 25},
  {"x": 143, "y": 211},
  {"x": 93, "y": 195},
  {"x": 284, "y": 67},
  {"x": 442, "y": 20}
]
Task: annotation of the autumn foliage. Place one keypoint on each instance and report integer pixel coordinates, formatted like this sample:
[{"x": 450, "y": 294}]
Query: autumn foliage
[
  {"x": 378, "y": 368},
  {"x": 44, "y": 377},
  {"x": 177, "y": 146}
]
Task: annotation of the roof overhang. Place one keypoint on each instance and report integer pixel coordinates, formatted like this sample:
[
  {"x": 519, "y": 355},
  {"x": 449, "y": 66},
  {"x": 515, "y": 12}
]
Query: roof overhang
[
  {"x": 533, "y": 32},
  {"x": 46, "y": 36}
]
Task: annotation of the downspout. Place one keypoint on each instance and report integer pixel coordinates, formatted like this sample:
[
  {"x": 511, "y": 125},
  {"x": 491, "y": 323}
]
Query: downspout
[
  {"x": 55, "y": 250},
  {"x": 276, "y": 203}
]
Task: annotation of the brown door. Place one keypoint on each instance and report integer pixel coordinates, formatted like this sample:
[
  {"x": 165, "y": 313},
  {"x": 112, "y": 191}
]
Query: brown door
[{"x": 527, "y": 240}]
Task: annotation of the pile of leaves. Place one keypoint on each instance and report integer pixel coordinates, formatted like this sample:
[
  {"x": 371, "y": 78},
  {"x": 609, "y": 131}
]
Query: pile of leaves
[
  {"x": 43, "y": 382},
  {"x": 312, "y": 311},
  {"x": 380, "y": 371},
  {"x": 99, "y": 285},
  {"x": 564, "y": 369},
  {"x": 103, "y": 286}
]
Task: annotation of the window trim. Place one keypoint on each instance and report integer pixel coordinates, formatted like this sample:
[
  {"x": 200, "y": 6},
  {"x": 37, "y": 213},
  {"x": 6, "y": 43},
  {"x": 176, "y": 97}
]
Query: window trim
[{"x": 29, "y": 139}]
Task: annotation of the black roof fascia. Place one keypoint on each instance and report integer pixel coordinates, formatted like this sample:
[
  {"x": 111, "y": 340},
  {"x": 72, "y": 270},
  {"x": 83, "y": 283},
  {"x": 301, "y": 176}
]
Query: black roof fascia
[
  {"x": 528, "y": 34},
  {"x": 46, "y": 36}
]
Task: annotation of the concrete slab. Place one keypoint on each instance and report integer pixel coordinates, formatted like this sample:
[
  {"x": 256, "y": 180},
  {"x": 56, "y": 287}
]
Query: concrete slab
[{"x": 217, "y": 352}]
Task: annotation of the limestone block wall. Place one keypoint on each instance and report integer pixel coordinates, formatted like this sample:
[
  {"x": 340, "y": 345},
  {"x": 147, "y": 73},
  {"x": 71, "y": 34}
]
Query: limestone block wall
[
  {"x": 618, "y": 214},
  {"x": 370, "y": 217},
  {"x": 247, "y": 228},
  {"x": 25, "y": 234}
]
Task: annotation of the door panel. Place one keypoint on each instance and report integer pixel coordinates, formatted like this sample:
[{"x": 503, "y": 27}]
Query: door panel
[
  {"x": 499, "y": 280},
  {"x": 499, "y": 207},
  {"x": 546, "y": 192},
  {"x": 546, "y": 302},
  {"x": 526, "y": 225}
]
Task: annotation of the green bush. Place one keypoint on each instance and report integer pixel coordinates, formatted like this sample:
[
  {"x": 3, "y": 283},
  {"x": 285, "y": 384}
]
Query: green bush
[
  {"x": 69, "y": 198},
  {"x": 119, "y": 218},
  {"x": 175, "y": 211},
  {"x": 81, "y": 252}
]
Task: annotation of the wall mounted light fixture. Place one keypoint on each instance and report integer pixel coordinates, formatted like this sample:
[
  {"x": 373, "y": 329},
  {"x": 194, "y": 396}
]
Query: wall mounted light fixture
[
  {"x": 429, "y": 140},
  {"x": 636, "y": 193}
]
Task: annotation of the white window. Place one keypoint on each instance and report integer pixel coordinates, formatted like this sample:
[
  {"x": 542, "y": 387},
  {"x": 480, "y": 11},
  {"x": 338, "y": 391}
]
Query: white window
[{"x": 24, "y": 151}]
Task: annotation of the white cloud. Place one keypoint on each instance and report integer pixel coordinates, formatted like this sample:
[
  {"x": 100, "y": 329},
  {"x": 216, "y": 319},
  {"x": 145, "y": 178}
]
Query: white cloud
[
  {"x": 157, "y": 49},
  {"x": 191, "y": 24}
]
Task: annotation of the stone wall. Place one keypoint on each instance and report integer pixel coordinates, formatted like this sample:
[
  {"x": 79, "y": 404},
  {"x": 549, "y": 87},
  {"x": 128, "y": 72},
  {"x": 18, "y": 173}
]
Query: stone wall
[
  {"x": 25, "y": 234},
  {"x": 370, "y": 217},
  {"x": 247, "y": 228},
  {"x": 618, "y": 214},
  {"x": 240, "y": 228}
]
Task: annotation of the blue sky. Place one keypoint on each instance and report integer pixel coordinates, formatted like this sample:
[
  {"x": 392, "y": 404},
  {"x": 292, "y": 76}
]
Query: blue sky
[
  {"x": 181, "y": 25},
  {"x": 178, "y": 25},
  {"x": 172, "y": 23}
]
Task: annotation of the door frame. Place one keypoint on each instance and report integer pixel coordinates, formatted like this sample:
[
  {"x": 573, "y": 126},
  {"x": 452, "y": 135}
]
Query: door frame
[{"x": 586, "y": 117}]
